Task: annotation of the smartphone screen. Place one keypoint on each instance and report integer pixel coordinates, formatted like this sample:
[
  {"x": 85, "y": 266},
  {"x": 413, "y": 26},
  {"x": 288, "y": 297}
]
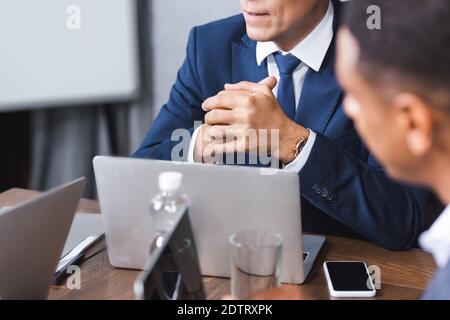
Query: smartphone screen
[{"x": 349, "y": 276}]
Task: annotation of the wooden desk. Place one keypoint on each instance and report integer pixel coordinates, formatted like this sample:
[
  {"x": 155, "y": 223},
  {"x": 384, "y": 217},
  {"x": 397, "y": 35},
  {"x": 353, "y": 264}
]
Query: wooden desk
[{"x": 404, "y": 275}]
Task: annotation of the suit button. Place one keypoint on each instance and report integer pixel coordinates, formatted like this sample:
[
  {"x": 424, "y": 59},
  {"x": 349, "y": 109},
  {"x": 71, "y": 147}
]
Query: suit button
[
  {"x": 331, "y": 197},
  {"x": 325, "y": 193},
  {"x": 317, "y": 189}
]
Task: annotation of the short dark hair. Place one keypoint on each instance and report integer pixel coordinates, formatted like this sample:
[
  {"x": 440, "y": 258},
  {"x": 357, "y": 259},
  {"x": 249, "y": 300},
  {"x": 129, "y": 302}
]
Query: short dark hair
[{"x": 412, "y": 46}]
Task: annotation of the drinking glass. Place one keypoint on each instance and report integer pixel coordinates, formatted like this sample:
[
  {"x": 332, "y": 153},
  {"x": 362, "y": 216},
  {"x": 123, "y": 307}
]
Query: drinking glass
[{"x": 255, "y": 262}]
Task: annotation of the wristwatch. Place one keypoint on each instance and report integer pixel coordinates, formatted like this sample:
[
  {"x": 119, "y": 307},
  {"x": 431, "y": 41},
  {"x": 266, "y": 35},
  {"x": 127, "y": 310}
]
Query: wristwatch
[{"x": 300, "y": 145}]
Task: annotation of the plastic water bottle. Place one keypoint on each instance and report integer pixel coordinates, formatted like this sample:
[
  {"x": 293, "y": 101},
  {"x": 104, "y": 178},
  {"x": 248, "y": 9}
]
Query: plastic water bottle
[{"x": 169, "y": 203}]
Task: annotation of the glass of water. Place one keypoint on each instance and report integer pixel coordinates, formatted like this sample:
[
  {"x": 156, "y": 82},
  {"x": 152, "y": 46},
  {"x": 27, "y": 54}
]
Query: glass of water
[{"x": 255, "y": 262}]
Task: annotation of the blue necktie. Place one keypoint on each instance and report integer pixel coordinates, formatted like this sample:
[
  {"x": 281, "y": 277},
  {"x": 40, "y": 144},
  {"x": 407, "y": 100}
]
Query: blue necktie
[{"x": 286, "y": 96}]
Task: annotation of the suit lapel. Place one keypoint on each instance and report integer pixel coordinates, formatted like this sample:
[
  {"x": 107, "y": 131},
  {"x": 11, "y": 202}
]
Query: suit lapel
[
  {"x": 245, "y": 67},
  {"x": 320, "y": 96},
  {"x": 321, "y": 93}
]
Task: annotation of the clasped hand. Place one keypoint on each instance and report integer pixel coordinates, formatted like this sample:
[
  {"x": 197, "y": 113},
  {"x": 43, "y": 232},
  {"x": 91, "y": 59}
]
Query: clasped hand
[{"x": 246, "y": 118}]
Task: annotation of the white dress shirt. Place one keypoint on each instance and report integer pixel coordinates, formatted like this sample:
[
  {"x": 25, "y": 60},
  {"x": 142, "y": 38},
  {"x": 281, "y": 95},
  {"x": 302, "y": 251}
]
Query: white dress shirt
[
  {"x": 311, "y": 51},
  {"x": 437, "y": 239}
]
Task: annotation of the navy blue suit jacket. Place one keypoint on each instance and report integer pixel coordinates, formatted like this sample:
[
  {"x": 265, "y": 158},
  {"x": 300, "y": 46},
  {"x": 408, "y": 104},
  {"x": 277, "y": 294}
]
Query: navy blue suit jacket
[{"x": 344, "y": 191}]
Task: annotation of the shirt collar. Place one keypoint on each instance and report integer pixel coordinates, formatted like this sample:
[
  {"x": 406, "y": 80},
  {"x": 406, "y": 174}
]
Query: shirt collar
[
  {"x": 437, "y": 239},
  {"x": 311, "y": 50}
]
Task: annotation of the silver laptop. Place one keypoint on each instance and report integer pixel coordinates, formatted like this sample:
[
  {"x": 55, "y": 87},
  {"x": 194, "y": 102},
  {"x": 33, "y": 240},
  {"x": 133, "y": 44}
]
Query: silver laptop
[
  {"x": 223, "y": 200},
  {"x": 32, "y": 237}
]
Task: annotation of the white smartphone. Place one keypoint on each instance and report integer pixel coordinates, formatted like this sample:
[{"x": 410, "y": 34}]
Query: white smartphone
[{"x": 349, "y": 279}]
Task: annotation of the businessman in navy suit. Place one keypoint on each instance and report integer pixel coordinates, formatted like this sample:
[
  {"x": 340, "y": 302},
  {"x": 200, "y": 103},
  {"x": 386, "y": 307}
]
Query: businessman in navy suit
[{"x": 273, "y": 68}]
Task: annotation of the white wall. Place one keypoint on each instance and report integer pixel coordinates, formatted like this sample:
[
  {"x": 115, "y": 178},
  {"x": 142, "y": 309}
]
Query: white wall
[
  {"x": 47, "y": 62},
  {"x": 172, "y": 21}
]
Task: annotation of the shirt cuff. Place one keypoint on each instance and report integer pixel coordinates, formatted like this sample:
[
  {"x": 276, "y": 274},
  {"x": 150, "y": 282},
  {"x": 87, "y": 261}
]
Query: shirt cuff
[
  {"x": 190, "y": 156},
  {"x": 299, "y": 162}
]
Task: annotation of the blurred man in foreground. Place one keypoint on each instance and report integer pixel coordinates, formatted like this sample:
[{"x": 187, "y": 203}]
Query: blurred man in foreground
[{"x": 397, "y": 84}]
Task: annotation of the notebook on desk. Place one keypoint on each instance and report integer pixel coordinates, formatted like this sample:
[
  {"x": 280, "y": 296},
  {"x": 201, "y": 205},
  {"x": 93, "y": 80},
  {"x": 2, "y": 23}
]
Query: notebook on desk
[
  {"x": 84, "y": 225},
  {"x": 86, "y": 230}
]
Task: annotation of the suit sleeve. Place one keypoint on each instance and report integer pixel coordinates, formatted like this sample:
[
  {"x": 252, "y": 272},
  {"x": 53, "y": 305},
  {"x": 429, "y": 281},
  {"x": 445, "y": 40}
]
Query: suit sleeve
[
  {"x": 169, "y": 135},
  {"x": 360, "y": 195}
]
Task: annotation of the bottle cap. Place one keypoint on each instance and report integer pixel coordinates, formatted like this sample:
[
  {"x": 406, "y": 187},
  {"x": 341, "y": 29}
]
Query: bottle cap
[{"x": 170, "y": 181}]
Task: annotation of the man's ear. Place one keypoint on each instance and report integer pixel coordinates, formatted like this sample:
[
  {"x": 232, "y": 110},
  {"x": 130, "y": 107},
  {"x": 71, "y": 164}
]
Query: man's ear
[{"x": 415, "y": 119}]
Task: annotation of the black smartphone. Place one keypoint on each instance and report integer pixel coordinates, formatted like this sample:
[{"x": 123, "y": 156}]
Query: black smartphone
[{"x": 349, "y": 279}]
